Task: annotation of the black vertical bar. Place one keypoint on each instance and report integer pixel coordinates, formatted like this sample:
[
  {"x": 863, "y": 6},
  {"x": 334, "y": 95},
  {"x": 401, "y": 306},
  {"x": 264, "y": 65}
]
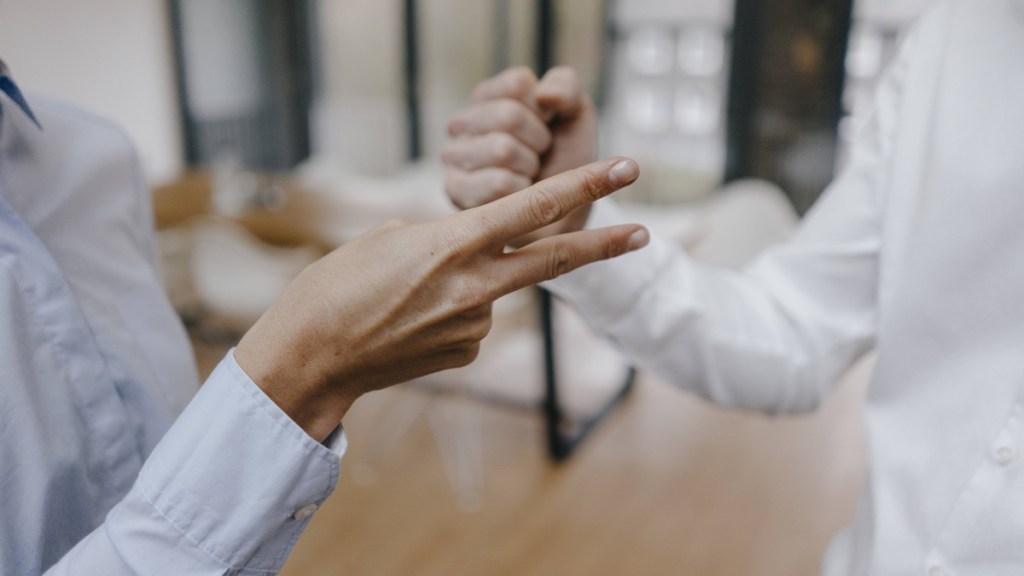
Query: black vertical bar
[
  {"x": 561, "y": 443},
  {"x": 412, "y": 78},
  {"x": 835, "y": 61},
  {"x": 743, "y": 83},
  {"x": 300, "y": 51},
  {"x": 557, "y": 446},
  {"x": 545, "y": 35},
  {"x": 288, "y": 81},
  {"x": 314, "y": 43},
  {"x": 188, "y": 129}
]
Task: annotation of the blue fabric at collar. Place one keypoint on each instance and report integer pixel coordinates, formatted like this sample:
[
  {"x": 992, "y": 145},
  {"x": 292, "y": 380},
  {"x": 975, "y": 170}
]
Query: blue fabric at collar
[{"x": 8, "y": 87}]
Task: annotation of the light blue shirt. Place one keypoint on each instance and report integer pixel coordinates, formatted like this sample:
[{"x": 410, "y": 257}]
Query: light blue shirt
[{"x": 108, "y": 464}]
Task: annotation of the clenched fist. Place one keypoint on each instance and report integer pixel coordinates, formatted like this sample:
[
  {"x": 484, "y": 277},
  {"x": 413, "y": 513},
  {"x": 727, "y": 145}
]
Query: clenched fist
[{"x": 519, "y": 130}]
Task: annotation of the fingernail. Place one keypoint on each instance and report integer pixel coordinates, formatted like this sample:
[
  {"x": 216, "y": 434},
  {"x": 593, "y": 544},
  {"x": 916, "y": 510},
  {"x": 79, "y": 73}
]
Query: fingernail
[
  {"x": 638, "y": 240},
  {"x": 623, "y": 173}
]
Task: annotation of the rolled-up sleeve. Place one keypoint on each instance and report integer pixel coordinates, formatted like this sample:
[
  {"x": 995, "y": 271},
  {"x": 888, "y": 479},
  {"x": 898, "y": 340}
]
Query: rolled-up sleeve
[{"x": 228, "y": 490}]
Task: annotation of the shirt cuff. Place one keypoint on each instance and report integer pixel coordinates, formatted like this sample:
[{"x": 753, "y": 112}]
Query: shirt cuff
[
  {"x": 234, "y": 477},
  {"x": 606, "y": 291}
]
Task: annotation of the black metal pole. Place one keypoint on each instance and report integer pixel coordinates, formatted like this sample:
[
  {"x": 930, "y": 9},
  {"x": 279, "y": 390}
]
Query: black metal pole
[
  {"x": 552, "y": 408},
  {"x": 835, "y": 60},
  {"x": 188, "y": 132},
  {"x": 743, "y": 83},
  {"x": 412, "y": 78},
  {"x": 543, "y": 57},
  {"x": 561, "y": 442},
  {"x": 545, "y": 54}
]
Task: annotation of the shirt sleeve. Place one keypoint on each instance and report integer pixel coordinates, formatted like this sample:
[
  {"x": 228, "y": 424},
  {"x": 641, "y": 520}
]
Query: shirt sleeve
[
  {"x": 776, "y": 336},
  {"x": 228, "y": 490}
]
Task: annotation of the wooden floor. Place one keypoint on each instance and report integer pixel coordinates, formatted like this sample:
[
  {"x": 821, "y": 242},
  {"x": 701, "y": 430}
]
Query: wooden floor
[{"x": 666, "y": 486}]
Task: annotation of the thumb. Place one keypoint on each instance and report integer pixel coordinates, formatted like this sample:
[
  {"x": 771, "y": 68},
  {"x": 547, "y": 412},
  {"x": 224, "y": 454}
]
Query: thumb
[{"x": 559, "y": 95}]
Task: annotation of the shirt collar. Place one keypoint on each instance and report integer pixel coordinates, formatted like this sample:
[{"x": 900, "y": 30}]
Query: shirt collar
[{"x": 7, "y": 86}]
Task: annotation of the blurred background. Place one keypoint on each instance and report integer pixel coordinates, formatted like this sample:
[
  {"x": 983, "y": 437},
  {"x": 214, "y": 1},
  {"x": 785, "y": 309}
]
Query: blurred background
[{"x": 272, "y": 131}]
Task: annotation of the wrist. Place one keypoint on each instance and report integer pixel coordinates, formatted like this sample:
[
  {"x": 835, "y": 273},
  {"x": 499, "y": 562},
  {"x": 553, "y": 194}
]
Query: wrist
[{"x": 294, "y": 382}]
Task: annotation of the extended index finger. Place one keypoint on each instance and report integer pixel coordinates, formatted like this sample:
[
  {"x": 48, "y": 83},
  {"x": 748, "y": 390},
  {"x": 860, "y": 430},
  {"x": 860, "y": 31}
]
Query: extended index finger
[{"x": 550, "y": 200}]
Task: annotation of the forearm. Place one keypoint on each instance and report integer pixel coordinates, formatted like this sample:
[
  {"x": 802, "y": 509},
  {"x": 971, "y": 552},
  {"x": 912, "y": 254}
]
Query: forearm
[{"x": 759, "y": 339}]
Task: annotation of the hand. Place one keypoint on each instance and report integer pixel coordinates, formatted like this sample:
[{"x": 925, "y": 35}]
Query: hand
[
  {"x": 517, "y": 131},
  {"x": 405, "y": 300}
]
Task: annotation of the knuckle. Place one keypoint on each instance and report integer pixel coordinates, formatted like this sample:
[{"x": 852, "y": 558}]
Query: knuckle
[
  {"x": 503, "y": 148},
  {"x": 485, "y": 325},
  {"x": 468, "y": 353},
  {"x": 480, "y": 327},
  {"x": 591, "y": 184},
  {"x": 521, "y": 80},
  {"x": 468, "y": 295},
  {"x": 448, "y": 154},
  {"x": 455, "y": 125},
  {"x": 544, "y": 208},
  {"x": 459, "y": 153},
  {"x": 481, "y": 228},
  {"x": 560, "y": 260},
  {"x": 532, "y": 162},
  {"x": 611, "y": 248},
  {"x": 510, "y": 115},
  {"x": 453, "y": 246},
  {"x": 546, "y": 140}
]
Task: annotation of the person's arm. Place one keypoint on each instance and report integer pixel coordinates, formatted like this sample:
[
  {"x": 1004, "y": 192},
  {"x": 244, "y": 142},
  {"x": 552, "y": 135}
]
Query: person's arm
[
  {"x": 233, "y": 483},
  {"x": 228, "y": 490},
  {"x": 773, "y": 337}
]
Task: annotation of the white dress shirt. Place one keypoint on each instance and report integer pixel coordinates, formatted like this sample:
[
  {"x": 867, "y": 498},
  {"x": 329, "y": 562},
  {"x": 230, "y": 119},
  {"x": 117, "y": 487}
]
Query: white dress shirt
[
  {"x": 99, "y": 474},
  {"x": 917, "y": 250}
]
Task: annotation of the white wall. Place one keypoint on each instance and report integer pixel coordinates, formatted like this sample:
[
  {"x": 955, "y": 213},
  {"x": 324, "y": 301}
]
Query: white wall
[{"x": 111, "y": 57}]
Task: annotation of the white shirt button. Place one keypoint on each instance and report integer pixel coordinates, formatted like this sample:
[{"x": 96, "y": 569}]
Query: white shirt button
[
  {"x": 305, "y": 512},
  {"x": 1004, "y": 455}
]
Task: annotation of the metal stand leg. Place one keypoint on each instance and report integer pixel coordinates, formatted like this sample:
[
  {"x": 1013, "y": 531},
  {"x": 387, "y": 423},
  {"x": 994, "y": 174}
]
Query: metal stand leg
[{"x": 562, "y": 442}]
